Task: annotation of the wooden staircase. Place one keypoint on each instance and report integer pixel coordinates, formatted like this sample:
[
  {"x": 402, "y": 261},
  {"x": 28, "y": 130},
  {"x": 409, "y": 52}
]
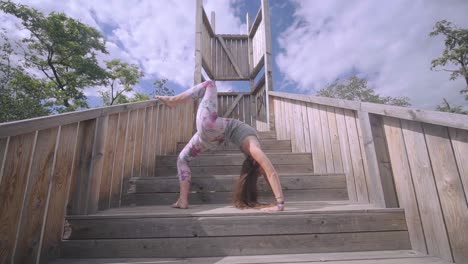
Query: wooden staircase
[{"x": 318, "y": 217}]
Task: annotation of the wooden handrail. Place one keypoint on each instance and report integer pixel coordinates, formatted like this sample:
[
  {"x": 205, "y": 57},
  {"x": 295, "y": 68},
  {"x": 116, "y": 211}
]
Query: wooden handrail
[
  {"x": 427, "y": 116},
  {"x": 40, "y": 123}
]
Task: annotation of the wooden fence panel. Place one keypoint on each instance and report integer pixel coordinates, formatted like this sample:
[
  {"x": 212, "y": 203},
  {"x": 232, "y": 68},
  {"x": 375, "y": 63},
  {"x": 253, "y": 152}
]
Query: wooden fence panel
[{"x": 12, "y": 190}]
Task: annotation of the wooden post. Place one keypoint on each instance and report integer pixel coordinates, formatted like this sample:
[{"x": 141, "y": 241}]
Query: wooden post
[
  {"x": 267, "y": 55},
  {"x": 371, "y": 167},
  {"x": 213, "y": 21},
  {"x": 253, "y": 110},
  {"x": 198, "y": 35}
]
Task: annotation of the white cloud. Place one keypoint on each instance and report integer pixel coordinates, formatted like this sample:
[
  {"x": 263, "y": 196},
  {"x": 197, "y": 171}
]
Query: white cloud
[
  {"x": 385, "y": 40},
  {"x": 157, "y": 35}
]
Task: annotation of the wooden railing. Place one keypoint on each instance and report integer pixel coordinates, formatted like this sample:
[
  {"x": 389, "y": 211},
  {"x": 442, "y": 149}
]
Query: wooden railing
[
  {"x": 76, "y": 163},
  {"x": 392, "y": 157},
  {"x": 235, "y": 105}
]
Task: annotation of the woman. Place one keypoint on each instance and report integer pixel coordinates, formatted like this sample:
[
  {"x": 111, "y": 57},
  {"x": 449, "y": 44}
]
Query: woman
[{"x": 212, "y": 131}]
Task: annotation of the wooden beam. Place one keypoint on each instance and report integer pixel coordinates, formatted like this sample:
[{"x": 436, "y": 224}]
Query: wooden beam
[
  {"x": 259, "y": 84},
  {"x": 233, "y": 36},
  {"x": 233, "y": 93},
  {"x": 256, "y": 23},
  {"x": 231, "y": 58},
  {"x": 257, "y": 68},
  {"x": 207, "y": 69},
  {"x": 40, "y": 123},
  {"x": 268, "y": 62},
  {"x": 426, "y": 116},
  {"x": 206, "y": 22},
  {"x": 213, "y": 21},
  {"x": 233, "y": 105},
  {"x": 199, "y": 17}
]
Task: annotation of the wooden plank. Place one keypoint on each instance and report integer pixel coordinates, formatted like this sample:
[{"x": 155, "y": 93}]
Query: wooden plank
[
  {"x": 237, "y": 225},
  {"x": 59, "y": 189},
  {"x": 12, "y": 190},
  {"x": 3, "y": 151},
  {"x": 345, "y": 154},
  {"x": 371, "y": 166},
  {"x": 297, "y": 126},
  {"x": 198, "y": 35},
  {"x": 108, "y": 163},
  {"x": 366, "y": 257},
  {"x": 241, "y": 109},
  {"x": 141, "y": 199},
  {"x": 153, "y": 140},
  {"x": 425, "y": 188},
  {"x": 226, "y": 183},
  {"x": 356, "y": 157},
  {"x": 232, "y": 169},
  {"x": 97, "y": 163},
  {"x": 233, "y": 105},
  {"x": 450, "y": 189},
  {"x": 318, "y": 152},
  {"x": 306, "y": 130},
  {"x": 335, "y": 140},
  {"x": 385, "y": 166},
  {"x": 326, "y": 138},
  {"x": 119, "y": 160},
  {"x": 460, "y": 148},
  {"x": 245, "y": 245},
  {"x": 83, "y": 158},
  {"x": 36, "y": 196},
  {"x": 146, "y": 142},
  {"x": 137, "y": 158},
  {"x": 404, "y": 182}
]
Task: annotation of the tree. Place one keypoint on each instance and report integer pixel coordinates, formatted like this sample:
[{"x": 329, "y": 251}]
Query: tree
[
  {"x": 121, "y": 77},
  {"x": 455, "y": 52},
  {"x": 445, "y": 107},
  {"x": 160, "y": 88},
  {"x": 64, "y": 50},
  {"x": 356, "y": 89},
  {"x": 139, "y": 97},
  {"x": 21, "y": 95}
]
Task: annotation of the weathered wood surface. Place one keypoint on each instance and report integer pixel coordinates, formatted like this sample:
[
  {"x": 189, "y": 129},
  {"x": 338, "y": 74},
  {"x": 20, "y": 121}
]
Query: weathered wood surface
[
  {"x": 432, "y": 117},
  {"x": 223, "y": 183},
  {"x": 244, "y": 245},
  {"x": 139, "y": 199},
  {"x": 367, "y": 257},
  {"x": 235, "y": 225}
]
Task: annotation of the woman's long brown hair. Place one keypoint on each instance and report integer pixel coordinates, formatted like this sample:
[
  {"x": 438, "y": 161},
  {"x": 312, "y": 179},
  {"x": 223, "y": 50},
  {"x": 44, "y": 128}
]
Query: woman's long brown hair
[{"x": 245, "y": 191}]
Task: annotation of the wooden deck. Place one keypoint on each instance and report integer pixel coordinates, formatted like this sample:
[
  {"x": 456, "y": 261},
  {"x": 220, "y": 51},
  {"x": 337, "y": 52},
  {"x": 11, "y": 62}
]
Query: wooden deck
[{"x": 372, "y": 257}]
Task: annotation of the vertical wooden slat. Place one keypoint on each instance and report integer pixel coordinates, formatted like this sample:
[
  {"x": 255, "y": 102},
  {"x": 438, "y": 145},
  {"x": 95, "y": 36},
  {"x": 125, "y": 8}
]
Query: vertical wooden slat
[
  {"x": 12, "y": 190},
  {"x": 138, "y": 143},
  {"x": 460, "y": 148},
  {"x": 145, "y": 148},
  {"x": 290, "y": 124},
  {"x": 335, "y": 140},
  {"x": 371, "y": 167},
  {"x": 153, "y": 141},
  {"x": 277, "y": 116},
  {"x": 282, "y": 126},
  {"x": 306, "y": 129},
  {"x": 97, "y": 163},
  {"x": 198, "y": 36},
  {"x": 248, "y": 110},
  {"x": 404, "y": 182},
  {"x": 318, "y": 154},
  {"x": 450, "y": 189},
  {"x": 34, "y": 205},
  {"x": 298, "y": 127},
  {"x": 61, "y": 179},
  {"x": 241, "y": 109},
  {"x": 326, "y": 139},
  {"x": 81, "y": 172},
  {"x": 356, "y": 157},
  {"x": 119, "y": 160},
  {"x": 383, "y": 159},
  {"x": 3, "y": 150},
  {"x": 425, "y": 188},
  {"x": 130, "y": 142},
  {"x": 345, "y": 154},
  {"x": 108, "y": 163}
]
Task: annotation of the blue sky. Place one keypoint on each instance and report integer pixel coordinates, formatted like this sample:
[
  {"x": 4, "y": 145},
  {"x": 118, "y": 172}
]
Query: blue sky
[{"x": 314, "y": 41}]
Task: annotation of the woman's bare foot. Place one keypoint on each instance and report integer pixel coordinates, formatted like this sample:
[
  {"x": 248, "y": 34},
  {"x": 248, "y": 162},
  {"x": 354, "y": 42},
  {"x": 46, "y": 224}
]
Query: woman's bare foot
[
  {"x": 167, "y": 100},
  {"x": 180, "y": 205}
]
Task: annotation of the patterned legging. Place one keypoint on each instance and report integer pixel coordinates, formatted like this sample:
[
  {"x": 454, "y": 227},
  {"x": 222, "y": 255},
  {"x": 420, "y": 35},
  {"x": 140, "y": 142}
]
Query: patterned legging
[{"x": 210, "y": 127}]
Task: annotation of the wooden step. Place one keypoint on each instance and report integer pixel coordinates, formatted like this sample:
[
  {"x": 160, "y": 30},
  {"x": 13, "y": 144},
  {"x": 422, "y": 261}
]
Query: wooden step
[
  {"x": 267, "y": 135},
  {"x": 146, "y": 234},
  {"x": 225, "y": 183},
  {"x": 359, "y": 257},
  {"x": 268, "y": 145},
  {"x": 231, "y": 170},
  {"x": 236, "y": 159},
  {"x": 137, "y": 199}
]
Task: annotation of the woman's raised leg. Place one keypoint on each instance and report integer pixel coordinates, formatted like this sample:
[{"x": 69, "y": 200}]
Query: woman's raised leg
[{"x": 194, "y": 93}]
